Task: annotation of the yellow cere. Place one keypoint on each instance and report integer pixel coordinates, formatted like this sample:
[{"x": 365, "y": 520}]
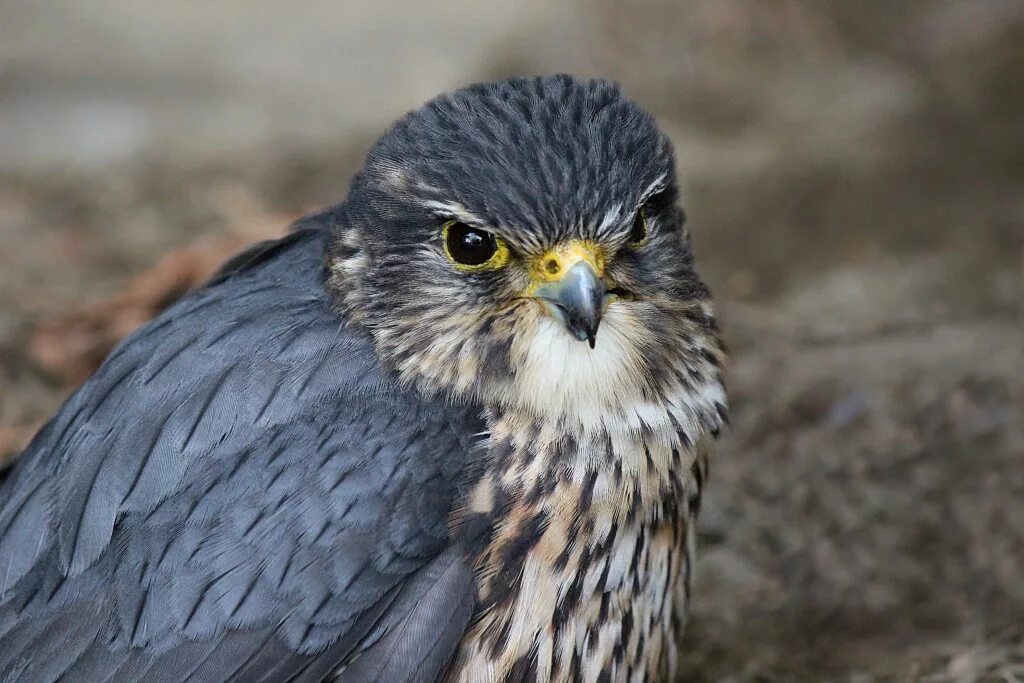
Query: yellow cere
[{"x": 555, "y": 263}]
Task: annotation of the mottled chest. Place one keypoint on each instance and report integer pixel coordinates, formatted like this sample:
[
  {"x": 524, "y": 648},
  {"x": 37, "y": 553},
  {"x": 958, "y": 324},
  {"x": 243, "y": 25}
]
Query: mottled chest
[{"x": 586, "y": 578}]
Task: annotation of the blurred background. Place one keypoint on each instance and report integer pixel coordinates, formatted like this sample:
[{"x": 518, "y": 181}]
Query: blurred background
[{"x": 853, "y": 172}]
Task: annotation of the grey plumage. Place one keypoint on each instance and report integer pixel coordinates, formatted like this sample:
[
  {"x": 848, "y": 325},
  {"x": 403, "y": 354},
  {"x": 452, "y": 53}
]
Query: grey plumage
[{"x": 239, "y": 463}]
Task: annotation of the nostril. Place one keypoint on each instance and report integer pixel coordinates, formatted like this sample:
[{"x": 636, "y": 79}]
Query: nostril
[{"x": 552, "y": 266}]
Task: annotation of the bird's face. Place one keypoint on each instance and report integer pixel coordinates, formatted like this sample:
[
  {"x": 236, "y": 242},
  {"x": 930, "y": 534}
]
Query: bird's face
[{"x": 522, "y": 241}]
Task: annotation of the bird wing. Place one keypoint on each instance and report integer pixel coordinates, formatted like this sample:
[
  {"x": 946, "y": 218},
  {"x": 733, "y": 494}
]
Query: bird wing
[{"x": 238, "y": 493}]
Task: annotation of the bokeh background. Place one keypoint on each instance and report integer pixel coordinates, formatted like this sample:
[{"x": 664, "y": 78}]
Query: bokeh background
[{"x": 854, "y": 175}]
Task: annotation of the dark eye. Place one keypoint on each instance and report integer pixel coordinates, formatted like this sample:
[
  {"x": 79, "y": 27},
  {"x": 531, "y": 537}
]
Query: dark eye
[
  {"x": 638, "y": 235},
  {"x": 469, "y": 246}
]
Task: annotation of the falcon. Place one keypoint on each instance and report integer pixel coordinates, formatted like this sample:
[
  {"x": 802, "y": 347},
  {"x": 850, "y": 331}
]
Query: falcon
[{"x": 454, "y": 428}]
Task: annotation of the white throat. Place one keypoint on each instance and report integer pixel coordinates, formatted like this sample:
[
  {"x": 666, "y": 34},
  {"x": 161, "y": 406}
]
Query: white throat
[{"x": 603, "y": 391}]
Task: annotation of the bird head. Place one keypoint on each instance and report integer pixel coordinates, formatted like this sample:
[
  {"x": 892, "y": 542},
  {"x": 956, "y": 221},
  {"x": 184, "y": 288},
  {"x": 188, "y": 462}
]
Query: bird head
[{"x": 522, "y": 241}]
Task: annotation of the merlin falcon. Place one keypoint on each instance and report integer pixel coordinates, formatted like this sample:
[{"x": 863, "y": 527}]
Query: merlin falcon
[{"x": 454, "y": 428}]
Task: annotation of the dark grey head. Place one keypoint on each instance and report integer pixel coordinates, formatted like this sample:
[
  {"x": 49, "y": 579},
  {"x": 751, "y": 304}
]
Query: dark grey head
[{"x": 522, "y": 240}]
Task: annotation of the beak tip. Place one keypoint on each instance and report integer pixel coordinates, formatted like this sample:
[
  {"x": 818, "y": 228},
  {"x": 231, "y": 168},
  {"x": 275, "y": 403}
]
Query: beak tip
[{"x": 576, "y": 301}]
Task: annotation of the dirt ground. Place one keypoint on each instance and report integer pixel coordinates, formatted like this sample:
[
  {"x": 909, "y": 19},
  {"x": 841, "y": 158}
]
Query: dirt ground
[{"x": 854, "y": 174}]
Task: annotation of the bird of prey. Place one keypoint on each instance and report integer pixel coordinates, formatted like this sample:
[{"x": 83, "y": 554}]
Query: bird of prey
[{"x": 454, "y": 428}]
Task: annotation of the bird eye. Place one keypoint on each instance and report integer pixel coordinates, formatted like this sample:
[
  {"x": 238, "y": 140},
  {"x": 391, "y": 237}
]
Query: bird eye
[
  {"x": 472, "y": 248},
  {"x": 638, "y": 235}
]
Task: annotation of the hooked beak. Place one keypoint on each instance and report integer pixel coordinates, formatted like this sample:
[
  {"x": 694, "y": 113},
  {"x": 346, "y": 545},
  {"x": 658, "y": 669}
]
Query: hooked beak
[{"x": 573, "y": 292}]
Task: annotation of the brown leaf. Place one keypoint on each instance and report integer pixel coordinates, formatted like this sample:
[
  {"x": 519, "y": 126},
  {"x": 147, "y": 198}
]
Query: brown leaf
[{"x": 72, "y": 344}]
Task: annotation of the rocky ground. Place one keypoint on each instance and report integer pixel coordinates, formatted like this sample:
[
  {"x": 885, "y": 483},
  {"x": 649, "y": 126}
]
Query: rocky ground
[{"x": 853, "y": 176}]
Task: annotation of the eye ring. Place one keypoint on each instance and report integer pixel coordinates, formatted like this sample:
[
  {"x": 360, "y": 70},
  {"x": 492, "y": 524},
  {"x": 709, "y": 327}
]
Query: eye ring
[
  {"x": 473, "y": 249},
  {"x": 639, "y": 234}
]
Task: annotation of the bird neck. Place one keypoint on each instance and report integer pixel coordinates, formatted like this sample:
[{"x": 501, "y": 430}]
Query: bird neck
[{"x": 625, "y": 470}]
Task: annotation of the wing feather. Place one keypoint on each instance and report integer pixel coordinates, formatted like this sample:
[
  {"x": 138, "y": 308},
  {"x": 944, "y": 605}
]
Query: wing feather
[{"x": 239, "y": 492}]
